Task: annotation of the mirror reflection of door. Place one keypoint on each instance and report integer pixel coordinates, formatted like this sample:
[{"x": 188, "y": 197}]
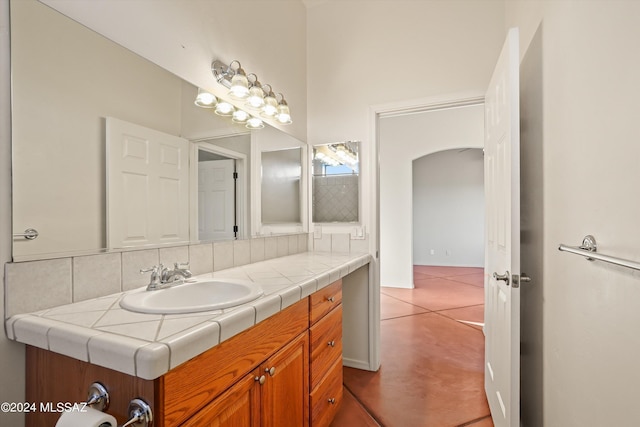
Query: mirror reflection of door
[
  {"x": 220, "y": 192},
  {"x": 216, "y": 198}
]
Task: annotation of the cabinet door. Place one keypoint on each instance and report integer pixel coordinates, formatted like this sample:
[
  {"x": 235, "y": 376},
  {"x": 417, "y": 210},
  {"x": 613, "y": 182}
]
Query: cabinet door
[
  {"x": 285, "y": 393},
  {"x": 239, "y": 406}
]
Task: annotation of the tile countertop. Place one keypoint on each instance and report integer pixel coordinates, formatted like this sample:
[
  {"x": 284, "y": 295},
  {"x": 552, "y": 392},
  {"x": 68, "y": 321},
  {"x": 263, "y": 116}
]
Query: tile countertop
[{"x": 149, "y": 345}]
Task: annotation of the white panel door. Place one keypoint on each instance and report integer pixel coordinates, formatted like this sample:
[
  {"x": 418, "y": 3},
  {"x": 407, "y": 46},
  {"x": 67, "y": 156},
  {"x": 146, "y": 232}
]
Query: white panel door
[
  {"x": 216, "y": 201},
  {"x": 502, "y": 269},
  {"x": 147, "y": 186}
]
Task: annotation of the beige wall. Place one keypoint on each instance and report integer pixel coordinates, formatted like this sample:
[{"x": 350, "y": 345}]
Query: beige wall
[
  {"x": 361, "y": 59},
  {"x": 267, "y": 37},
  {"x": 11, "y": 353},
  {"x": 584, "y": 112}
]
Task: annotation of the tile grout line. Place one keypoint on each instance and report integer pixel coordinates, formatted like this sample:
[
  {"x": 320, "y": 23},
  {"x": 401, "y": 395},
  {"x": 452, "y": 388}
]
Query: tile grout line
[
  {"x": 474, "y": 421},
  {"x": 362, "y": 405}
]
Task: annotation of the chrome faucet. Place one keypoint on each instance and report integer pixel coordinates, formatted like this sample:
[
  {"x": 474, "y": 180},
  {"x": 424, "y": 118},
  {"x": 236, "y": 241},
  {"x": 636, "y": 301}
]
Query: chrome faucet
[
  {"x": 162, "y": 277},
  {"x": 179, "y": 273}
]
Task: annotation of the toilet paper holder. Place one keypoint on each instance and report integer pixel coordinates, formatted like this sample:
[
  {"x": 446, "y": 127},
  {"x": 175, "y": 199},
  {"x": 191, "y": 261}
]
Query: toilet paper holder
[
  {"x": 140, "y": 414},
  {"x": 98, "y": 397}
]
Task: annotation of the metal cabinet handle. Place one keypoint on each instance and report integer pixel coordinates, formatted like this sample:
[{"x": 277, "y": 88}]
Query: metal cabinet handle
[
  {"x": 331, "y": 299},
  {"x": 331, "y": 400},
  {"x": 271, "y": 371},
  {"x": 261, "y": 379},
  {"x": 331, "y": 343}
]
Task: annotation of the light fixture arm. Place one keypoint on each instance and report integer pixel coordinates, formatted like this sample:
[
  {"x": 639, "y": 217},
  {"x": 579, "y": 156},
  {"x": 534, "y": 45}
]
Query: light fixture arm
[{"x": 222, "y": 72}]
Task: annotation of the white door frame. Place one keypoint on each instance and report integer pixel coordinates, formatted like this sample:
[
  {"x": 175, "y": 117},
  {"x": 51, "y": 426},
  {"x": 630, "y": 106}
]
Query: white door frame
[
  {"x": 373, "y": 164},
  {"x": 208, "y": 144}
]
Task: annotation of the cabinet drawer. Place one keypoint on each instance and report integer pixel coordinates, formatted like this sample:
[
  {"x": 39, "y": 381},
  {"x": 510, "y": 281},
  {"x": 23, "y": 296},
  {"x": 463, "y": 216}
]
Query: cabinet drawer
[
  {"x": 326, "y": 344},
  {"x": 326, "y": 399},
  {"x": 324, "y": 300}
]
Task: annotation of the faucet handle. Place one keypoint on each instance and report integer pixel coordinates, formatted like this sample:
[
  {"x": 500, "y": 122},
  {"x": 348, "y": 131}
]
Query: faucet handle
[{"x": 153, "y": 269}]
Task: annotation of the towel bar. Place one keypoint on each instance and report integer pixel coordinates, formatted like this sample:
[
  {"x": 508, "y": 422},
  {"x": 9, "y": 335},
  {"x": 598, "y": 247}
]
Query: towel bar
[{"x": 589, "y": 249}]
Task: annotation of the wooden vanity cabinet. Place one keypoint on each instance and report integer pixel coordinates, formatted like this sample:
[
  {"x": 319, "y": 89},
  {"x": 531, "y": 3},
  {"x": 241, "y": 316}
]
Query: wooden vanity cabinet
[
  {"x": 325, "y": 349},
  {"x": 284, "y": 371},
  {"x": 273, "y": 395}
]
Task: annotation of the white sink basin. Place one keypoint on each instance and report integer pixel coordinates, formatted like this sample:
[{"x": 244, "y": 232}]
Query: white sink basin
[{"x": 202, "y": 295}]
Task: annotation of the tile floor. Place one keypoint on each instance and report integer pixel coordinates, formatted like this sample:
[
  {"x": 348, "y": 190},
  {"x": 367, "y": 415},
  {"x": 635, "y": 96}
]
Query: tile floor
[{"x": 432, "y": 354}]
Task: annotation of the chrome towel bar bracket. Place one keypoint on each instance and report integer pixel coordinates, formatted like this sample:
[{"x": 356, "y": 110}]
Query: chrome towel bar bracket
[
  {"x": 589, "y": 249},
  {"x": 29, "y": 234}
]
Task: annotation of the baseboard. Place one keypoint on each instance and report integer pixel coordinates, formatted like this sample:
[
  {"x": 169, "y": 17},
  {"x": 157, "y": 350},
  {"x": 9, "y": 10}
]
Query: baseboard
[{"x": 357, "y": 364}]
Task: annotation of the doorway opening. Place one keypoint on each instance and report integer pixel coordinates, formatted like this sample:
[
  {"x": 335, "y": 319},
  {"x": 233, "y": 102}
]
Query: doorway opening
[
  {"x": 448, "y": 208},
  {"x": 220, "y": 189}
]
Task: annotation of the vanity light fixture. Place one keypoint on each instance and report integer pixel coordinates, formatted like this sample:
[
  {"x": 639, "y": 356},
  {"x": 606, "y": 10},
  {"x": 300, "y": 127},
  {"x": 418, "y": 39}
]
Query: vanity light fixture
[{"x": 248, "y": 87}]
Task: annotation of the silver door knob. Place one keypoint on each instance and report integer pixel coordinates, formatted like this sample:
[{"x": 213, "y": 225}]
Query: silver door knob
[{"x": 504, "y": 277}]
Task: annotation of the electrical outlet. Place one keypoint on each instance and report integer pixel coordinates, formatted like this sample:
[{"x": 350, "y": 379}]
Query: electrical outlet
[{"x": 447, "y": 252}]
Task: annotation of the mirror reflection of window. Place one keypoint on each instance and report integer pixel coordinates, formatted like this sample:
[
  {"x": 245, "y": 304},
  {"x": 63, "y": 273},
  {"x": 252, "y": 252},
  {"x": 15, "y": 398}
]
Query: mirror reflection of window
[
  {"x": 281, "y": 181},
  {"x": 336, "y": 181}
]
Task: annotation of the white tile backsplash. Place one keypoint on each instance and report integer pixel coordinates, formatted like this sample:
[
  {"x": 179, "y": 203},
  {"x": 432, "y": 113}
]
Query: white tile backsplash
[
  {"x": 133, "y": 262},
  {"x": 169, "y": 256},
  {"x": 80, "y": 278},
  {"x": 283, "y": 245},
  {"x": 241, "y": 252},
  {"x": 257, "y": 249},
  {"x": 293, "y": 244},
  {"x": 96, "y": 275},
  {"x": 36, "y": 285},
  {"x": 270, "y": 247},
  {"x": 340, "y": 242},
  {"x": 222, "y": 255},
  {"x": 201, "y": 258}
]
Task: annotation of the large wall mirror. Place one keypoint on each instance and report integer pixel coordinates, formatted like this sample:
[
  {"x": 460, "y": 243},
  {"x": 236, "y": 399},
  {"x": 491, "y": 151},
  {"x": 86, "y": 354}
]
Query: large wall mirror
[{"x": 66, "y": 80}]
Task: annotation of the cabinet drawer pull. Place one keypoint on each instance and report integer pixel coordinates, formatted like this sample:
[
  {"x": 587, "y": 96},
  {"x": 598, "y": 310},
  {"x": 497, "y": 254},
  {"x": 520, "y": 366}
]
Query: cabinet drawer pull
[
  {"x": 331, "y": 343},
  {"x": 332, "y": 401},
  {"x": 271, "y": 371},
  {"x": 331, "y": 299},
  {"x": 261, "y": 379}
]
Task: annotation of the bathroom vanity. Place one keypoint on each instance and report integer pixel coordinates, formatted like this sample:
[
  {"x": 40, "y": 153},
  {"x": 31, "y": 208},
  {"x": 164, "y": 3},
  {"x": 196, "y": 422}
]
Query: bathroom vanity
[{"x": 284, "y": 369}]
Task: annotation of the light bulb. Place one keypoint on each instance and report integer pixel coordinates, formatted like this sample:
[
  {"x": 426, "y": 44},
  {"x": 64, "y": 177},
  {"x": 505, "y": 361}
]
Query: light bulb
[
  {"x": 239, "y": 85},
  {"x": 240, "y": 116},
  {"x": 256, "y": 97},
  {"x": 224, "y": 109},
  {"x": 205, "y": 99},
  {"x": 254, "y": 123}
]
